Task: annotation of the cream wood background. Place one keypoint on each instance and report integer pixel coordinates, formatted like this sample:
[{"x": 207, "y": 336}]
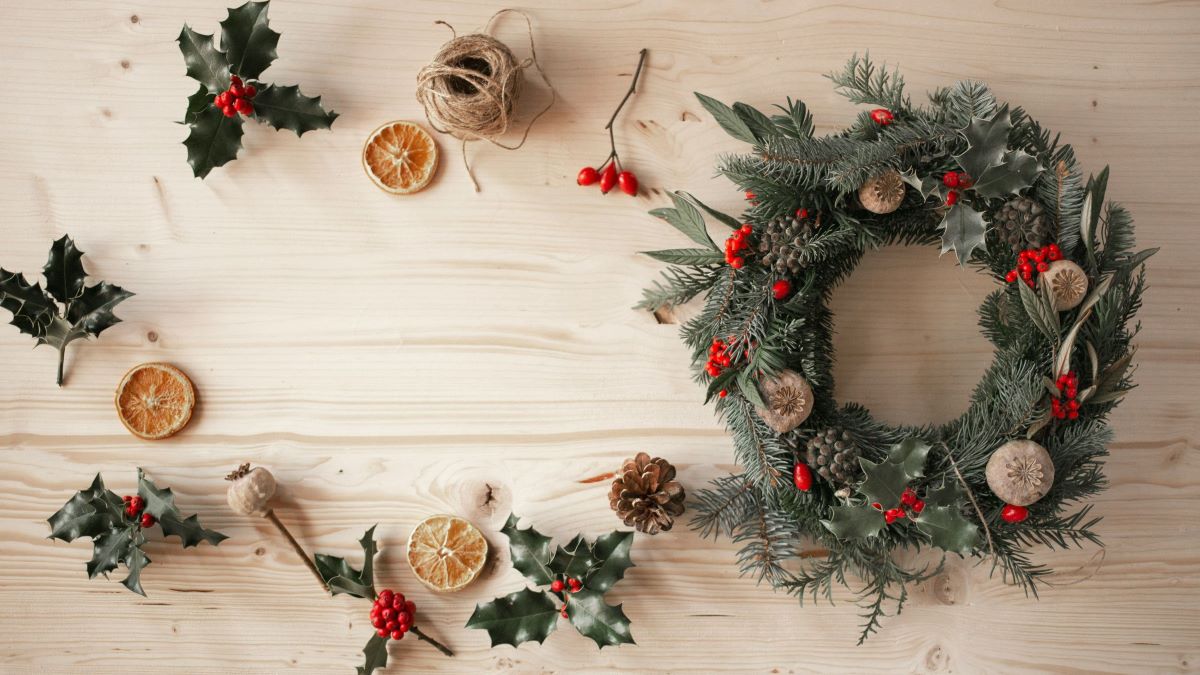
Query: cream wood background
[{"x": 389, "y": 358}]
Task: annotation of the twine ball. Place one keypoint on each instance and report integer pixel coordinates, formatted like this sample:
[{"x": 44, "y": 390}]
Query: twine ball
[{"x": 471, "y": 86}]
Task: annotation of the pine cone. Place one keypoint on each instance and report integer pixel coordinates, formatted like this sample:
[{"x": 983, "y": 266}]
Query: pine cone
[
  {"x": 833, "y": 454},
  {"x": 780, "y": 243},
  {"x": 646, "y": 495},
  {"x": 1023, "y": 223}
]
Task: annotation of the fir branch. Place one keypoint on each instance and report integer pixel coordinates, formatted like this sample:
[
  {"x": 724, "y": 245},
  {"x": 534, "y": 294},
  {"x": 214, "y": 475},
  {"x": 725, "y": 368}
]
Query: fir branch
[
  {"x": 861, "y": 81},
  {"x": 678, "y": 285}
]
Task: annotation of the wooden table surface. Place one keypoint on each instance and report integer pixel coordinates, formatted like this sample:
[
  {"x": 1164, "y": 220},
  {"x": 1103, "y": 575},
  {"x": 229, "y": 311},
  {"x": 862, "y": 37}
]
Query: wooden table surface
[{"x": 393, "y": 357}]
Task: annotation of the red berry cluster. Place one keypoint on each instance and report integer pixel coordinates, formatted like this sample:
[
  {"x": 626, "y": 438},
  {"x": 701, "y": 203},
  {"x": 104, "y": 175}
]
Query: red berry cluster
[
  {"x": 392, "y": 615},
  {"x": 236, "y": 99},
  {"x": 882, "y": 116},
  {"x": 956, "y": 180},
  {"x": 1011, "y": 513},
  {"x": 558, "y": 586},
  {"x": 718, "y": 358},
  {"x": 608, "y": 177},
  {"x": 1031, "y": 260},
  {"x": 909, "y": 507},
  {"x": 1066, "y": 406},
  {"x": 735, "y": 244},
  {"x": 135, "y": 510}
]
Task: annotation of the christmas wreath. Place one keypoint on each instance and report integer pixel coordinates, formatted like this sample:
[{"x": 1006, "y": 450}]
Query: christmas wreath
[{"x": 1013, "y": 472}]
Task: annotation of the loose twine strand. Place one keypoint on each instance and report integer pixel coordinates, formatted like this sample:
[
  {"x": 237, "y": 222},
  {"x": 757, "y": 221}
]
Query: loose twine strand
[{"x": 471, "y": 87}]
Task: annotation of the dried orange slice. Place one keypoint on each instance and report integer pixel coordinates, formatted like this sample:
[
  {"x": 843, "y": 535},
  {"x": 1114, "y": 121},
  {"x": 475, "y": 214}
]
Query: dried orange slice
[
  {"x": 446, "y": 552},
  {"x": 400, "y": 157},
  {"x": 155, "y": 400}
]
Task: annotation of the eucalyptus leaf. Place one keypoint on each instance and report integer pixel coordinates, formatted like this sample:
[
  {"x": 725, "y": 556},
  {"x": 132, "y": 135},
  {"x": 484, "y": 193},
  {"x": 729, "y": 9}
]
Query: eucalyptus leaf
[
  {"x": 759, "y": 124},
  {"x": 725, "y": 219},
  {"x": 730, "y": 121},
  {"x": 695, "y": 257}
]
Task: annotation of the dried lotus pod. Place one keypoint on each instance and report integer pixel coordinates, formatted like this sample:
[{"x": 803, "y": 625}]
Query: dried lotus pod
[
  {"x": 1068, "y": 284},
  {"x": 1020, "y": 472},
  {"x": 883, "y": 193},
  {"x": 250, "y": 490},
  {"x": 789, "y": 400}
]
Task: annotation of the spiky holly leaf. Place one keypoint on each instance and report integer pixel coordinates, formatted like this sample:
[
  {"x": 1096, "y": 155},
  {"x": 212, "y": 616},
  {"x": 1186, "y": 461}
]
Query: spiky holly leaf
[
  {"x": 854, "y": 522},
  {"x": 605, "y": 624},
  {"x": 160, "y": 503},
  {"x": 287, "y": 108},
  {"x": 529, "y": 550},
  {"x": 910, "y": 454},
  {"x": 987, "y": 141},
  {"x": 517, "y": 617},
  {"x": 340, "y": 577},
  {"x": 88, "y": 513},
  {"x": 926, "y": 186},
  {"x": 612, "y": 555},
  {"x": 214, "y": 141},
  {"x": 33, "y": 310},
  {"x": 64, "y": 270},
  {"x": 573, "y": 560},
  {"x": 948, "y": 530},
  {"x": 135, "y": 561},
  {"x": 947, "y": 493},
  {"x": 247, "y": 40},
  {"x": 205, "y": 63},
  {"x": 963, "y": 231},
  {"x": 375, "y": 655},
  {"x": 885, "y": 482},
  {"x": 109, "y": 549},
  {"x": 197, "y": 103},
  {"x": 1016, "y": 171}
]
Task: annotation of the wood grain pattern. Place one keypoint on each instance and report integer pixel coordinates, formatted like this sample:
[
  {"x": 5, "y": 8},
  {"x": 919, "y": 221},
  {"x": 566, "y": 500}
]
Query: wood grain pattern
[{"x": 390, "y": 358}]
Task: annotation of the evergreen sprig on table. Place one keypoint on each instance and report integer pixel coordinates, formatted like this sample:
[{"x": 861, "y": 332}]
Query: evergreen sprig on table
[
  {"x": 962, "y": 158},
  {"x": 117, "y": 527},
  {"x": 85, "y": 311},
  {"x": 576, "y": 575},
  {"x": 230, "y": 88}
]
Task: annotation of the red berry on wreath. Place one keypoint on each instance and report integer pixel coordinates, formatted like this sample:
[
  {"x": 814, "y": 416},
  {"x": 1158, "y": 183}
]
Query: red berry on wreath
[
  {"x": 1043, "y": 266},
  {"x": 877, "y": 506},
  {"x": 723, "y": 393},
  {"x": 751, "y": 196},
  {"x": 746, "y": 229},
  {"x": 950, "y": 180},
  {"x": 882, "y": 116},
  {"x": 802, "y": 213},
  {"x": 1013, "y": 514},
  {"x": 781, "y": 289},
  {"x": 1011, "y": 276},
  {"x": 608, "y": 178},
  {"x": 802, "y": 477},
  {"x": 588, "y": 175},
  {"x": 737, "y": 263},
  {"x": 951, "y": 198},
  {"x": 628, "y": 183},
  {"x": 556, "y": 585}
]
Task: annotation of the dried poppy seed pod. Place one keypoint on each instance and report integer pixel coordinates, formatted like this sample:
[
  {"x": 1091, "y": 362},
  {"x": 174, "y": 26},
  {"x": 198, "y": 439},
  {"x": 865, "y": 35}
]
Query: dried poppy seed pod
[
  {"x": 883, "y": 193},
  {"x": 250, "y": 490}
]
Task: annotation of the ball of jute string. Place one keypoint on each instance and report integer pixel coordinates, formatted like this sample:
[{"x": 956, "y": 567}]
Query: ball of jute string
[{"x": 472, "y": 86}]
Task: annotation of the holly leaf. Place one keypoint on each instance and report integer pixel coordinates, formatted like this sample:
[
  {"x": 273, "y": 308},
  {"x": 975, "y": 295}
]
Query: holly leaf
[
  {"x": 92, "y": 312},
  {"x": 730, "y": 121},
  {"x": 287, "y": 108},
  {"x": 340, "y": 577},
  {"x": 987, "y": 142},
  {"x": 189, "y": 530},
  {"x": 687, "y": 219},
  {"x": 214, "y": 140},
  {"x": 34, "y": 312},
  {"x": 248, "y": 41},
  {"x": 910, "y": 454},
  {"x": 529, "y": 550},
  {"x": 198, "y": 103},
  {"x": 963, "y": 231},
  {"x": 64, "y": 270},
  {"x": 948, "y": 530},
  {"x": 605, "y": 624},
  {"x": 88, "y": 513},
  {"x": 205, "y": 63},
  {"x": 517, "y": 617},
  {"x": 946, "y": 494},
  {"x": 885, "y": 482},
  {"x": 109, "y": 549},
  {"x": 375, "y": 654},
  {"x": 136, "y": 561},
  {"x": 574, "y": 560},
  {"x": 159, "y": 502},
  {"x": 612, "y": 555},
  {"x": 695, "y": 257},
  {"x": 925, "y": 186},
  {"x": 854, "y": 522},
  {"x": 1015, "y": 173}
]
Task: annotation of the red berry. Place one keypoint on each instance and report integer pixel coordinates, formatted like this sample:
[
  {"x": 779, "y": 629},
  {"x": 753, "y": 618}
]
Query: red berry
[
  {"x": 608, "y": 178},
  {"x": 396, "y": 635},
  {"x": 964, "y": 181},
  {"x": 781, "y": 289},
  {"x": 587, "y": 176},
  {"x": 127, "y": 498},
  {"x": 889, "y": 517},
  {"x": 147, "y": 520},
  {"x": 564, "y": 612},
  {"x": 1011, "y": 276},
  {"x": 918, "y": 506},
  {"x": 1037, "y": 255},
  {"x": 750, "y": 195},
  {"x": 950, "y": 180},
  {"x": 243, "y": 106},
  {"x": 877, "y": 506},
  {"x": 908, "y": 497},
  {"x": 404, "y": 618},
  {"x": 737, "y": 263},
  {"x": 377, "y": 622},
  {"x": 556, "y": 586},
  {"x": 802, "y": 477},
  {"x": 410, "y": 607},
  {"x": 951, "y": 198},
  {"x": 382, "y": 632},
  {"x": 1025, "y": 268},
  {"x": 1073, "y": 415},
  {"x": 746, "y": 230},
  {"x": 801, "y": 213},
  {"x": 249, "y": 91},
  {"x": 234, "y": 79},
  {"x": 1043, "y": 266},
  {"x": 229, "y": 111},
  {"x": 1022, "y": 256},
  {"x": 882, "y": 116},
  {"x": 236, "y": 90},
  {"x": 628, "y": 183},
  {"x": 1014, "y": 514},
  {"x": 723, "y": 393}
]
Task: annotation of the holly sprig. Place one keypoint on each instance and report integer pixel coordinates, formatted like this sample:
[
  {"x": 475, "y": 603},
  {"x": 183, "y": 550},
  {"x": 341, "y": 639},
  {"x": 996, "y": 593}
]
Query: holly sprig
[
  {"x": 577, "y": 576},
  {"x": 118, "y": 526},
  {"x": 341, "y": 577},
  {"x": 227, "y": 74},
  {"x": 887, "y": 498},
  {"x": 67, "y": 309}
]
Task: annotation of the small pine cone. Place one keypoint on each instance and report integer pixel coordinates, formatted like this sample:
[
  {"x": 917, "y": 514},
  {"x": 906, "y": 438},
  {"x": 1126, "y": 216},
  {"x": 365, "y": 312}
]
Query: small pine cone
[
  {"x": 646, "y": 495},
  {"x": 780, "y": 243},
  {"x": 833, "y": 454},
  {"x": 1023, "y": 223}
]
